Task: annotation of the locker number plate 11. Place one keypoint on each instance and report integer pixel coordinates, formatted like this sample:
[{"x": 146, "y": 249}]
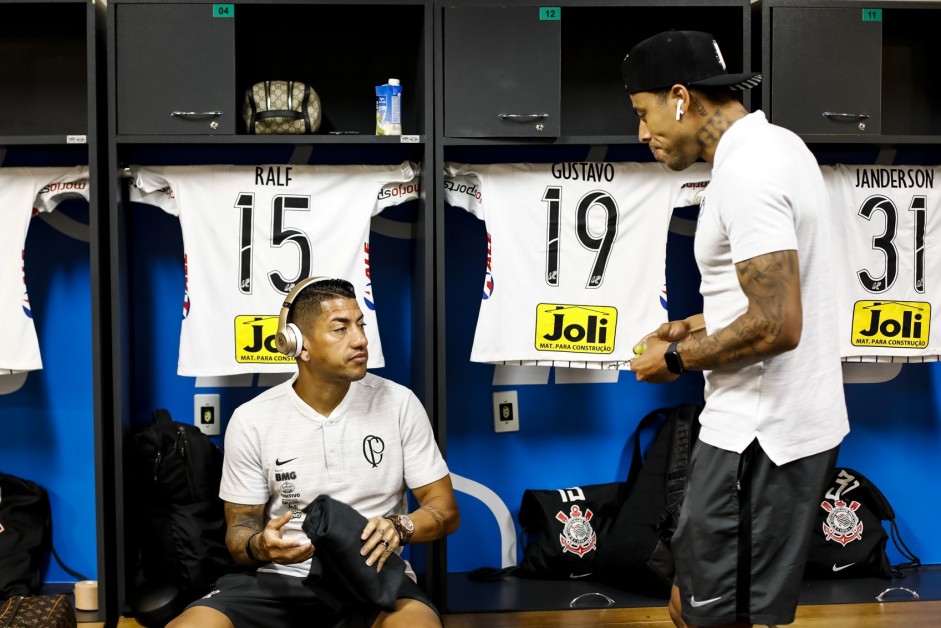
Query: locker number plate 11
[{"x": 872, "y": 15}]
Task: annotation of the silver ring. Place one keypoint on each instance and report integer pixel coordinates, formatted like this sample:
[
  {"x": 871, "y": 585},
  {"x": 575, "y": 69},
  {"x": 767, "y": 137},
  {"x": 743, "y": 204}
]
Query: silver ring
[{"x": 384, "y": 542}]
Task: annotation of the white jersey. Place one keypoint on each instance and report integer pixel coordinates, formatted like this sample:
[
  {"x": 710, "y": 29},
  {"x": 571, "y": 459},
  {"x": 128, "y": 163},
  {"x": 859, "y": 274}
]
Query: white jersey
[
  {"x": 280, "y": 452},
  {"x": 576, "y": 256},
  {"x": 24, "y": 192},
  {"x": 250, "y": 233},
  {"x": 886, "y": 220}
]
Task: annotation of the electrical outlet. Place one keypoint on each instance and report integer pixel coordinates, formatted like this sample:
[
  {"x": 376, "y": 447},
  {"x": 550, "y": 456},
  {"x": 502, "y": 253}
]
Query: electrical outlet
[
  {"x": 506, "y": 411},
  {"x": 206, "y": 414}
]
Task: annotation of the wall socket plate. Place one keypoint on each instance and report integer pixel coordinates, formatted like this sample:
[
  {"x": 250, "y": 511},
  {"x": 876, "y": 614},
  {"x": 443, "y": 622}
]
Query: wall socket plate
[
  {"x": 206, "y": 414},
  {"x": 506, "y": 411}
]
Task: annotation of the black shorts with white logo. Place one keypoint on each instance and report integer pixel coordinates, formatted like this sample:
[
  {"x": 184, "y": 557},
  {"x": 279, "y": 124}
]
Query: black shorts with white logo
[
  {"x": 269, "y": 600},
  {"x": 745, "y": 526}
]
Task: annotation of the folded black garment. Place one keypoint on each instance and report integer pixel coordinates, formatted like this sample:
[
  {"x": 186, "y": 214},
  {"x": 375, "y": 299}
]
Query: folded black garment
[{"x": 338, "y": 573}]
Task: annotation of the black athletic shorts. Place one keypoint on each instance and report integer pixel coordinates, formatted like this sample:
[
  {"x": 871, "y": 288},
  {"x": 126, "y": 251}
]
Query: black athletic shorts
[
  {"x": 744, "y": 530},
  {"x": 270, "y": 600}
]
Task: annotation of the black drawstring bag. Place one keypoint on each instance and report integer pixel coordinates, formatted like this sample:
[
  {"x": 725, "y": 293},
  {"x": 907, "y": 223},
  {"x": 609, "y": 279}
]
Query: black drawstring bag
[{"x": 849, "y": 540}]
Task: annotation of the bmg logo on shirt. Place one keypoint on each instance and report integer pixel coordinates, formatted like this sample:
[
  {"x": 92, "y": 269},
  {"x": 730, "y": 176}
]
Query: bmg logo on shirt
[
  {"x": 575, "y": 328},
  {"x": 255, "y": 340},
  {"x": 898, "y": 324}
]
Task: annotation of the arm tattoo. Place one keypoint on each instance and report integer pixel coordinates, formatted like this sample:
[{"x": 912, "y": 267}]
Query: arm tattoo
[
  {"x": 440, "y": 517},
  {"x": 769, "y": 281},
  {"x": 242, "y": 521}
]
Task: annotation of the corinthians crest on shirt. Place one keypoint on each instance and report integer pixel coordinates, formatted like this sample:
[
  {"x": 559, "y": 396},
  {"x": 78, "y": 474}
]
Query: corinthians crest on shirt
[{"x": 577, "y": 536}]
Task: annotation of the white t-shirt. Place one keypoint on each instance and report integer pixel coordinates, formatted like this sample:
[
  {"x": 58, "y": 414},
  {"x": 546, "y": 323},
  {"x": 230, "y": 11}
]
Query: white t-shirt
[
  {"x": 282, "y": 453},
  {"x": 250, "y": 233},
  {"x": 767, "y": 195},
  {"x": 576, "y": 256},
  {"x": 887, "y": 234},
  {"x": 24, "y": 192}
]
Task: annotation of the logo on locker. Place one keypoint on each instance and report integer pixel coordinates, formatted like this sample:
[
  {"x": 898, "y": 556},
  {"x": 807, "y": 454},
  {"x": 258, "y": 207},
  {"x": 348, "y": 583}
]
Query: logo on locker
[
  {"x": 575, "y": 328},
  {"x": 898, "y": 324}
]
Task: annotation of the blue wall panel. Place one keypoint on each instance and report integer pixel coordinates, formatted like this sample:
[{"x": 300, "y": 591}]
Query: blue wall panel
[{"x": 46, "y": 416}]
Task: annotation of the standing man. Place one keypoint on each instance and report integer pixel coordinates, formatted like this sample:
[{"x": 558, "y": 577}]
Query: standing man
[
  {"x": 334, "y": 430},
  {"x": 766, "y": 340}
]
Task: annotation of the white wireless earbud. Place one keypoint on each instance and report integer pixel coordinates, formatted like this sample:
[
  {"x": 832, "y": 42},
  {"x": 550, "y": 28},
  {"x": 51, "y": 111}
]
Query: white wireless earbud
[{"x": 679, "y": 112}]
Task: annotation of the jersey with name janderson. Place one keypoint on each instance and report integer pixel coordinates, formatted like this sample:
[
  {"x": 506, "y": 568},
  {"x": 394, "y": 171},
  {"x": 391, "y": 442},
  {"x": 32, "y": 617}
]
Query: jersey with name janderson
[
  {"x": 887, "y": 231},
  {"x": 24, "y": 193},
  {"x": 250, "y": 233},
  {"x": 576, "y": 256}
]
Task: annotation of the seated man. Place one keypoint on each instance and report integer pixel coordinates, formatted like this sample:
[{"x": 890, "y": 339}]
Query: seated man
[{"x": 336, "y": 430}]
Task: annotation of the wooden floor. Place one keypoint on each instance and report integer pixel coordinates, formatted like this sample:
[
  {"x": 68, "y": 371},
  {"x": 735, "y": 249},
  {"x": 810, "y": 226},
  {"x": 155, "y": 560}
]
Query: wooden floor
[{"x": 885, "y": 615}]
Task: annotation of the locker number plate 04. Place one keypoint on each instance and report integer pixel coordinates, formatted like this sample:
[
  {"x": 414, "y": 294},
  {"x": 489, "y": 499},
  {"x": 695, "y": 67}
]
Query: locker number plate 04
[{"x": 223, "y": 10}]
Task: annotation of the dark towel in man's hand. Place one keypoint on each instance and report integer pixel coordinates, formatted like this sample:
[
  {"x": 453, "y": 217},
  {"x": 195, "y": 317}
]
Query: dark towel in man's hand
[{"x": 338, "y": 573}]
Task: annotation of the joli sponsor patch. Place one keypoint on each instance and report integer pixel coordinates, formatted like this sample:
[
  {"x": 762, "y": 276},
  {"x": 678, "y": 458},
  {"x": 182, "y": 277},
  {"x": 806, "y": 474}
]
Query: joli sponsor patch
[
  {"x": 894, "y": 324},
  {"x": 575, "y": 328},
  {"x": 255, "y": 340}
]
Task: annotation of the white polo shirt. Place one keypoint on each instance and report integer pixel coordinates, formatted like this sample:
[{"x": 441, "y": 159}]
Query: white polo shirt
[{"x": 767, "y": 195}]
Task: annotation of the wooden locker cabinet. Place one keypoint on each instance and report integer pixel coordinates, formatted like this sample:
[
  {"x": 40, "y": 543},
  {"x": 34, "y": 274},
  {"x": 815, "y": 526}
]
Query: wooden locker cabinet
[
  {"x": 175, "y": 70},
  {"x": 509, "y": 86},
  {"x": 852, "y": 71}
]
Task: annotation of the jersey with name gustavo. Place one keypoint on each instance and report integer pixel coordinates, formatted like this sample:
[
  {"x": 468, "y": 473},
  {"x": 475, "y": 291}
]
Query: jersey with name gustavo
[
  {"x": 576, "y": 256},
  {"x": 24, "y": 193},
  {"x": 250, "y": 233},
  {"x": 887, "y": 223}
]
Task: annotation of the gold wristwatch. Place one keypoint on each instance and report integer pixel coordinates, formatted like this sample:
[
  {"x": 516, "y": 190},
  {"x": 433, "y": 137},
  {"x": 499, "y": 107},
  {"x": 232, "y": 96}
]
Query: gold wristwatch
[{"x": 403, "y": 526}]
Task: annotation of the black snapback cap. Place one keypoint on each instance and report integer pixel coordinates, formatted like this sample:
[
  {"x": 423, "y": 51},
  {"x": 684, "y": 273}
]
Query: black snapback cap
[{"x": 690, "y": 58}]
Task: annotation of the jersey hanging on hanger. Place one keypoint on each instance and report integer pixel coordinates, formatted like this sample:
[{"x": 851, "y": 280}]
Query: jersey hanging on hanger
[
  {"x": 250, "y": 233},
  {"x": 25, "y": 192},
  {"x": 887, "y": 232},
  {"x": 576, "y": 256}
]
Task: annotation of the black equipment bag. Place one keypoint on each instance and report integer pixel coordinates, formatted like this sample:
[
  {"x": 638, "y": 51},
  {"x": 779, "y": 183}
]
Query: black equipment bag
[
  {"x": 618, "y": 532},
  {"x": 25, "y": 535},
  {"x": 849, "y": 540},
  {"x": 565, "y": 530},
  {"x": 178, "y": 516},
  {"x": 638, "y": 557},
  {"x": 25, "y": 546}
]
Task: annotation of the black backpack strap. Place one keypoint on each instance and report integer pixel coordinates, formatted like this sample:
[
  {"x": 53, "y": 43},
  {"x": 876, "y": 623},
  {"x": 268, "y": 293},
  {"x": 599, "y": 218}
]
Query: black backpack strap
[
  {"x": 637, "y": 459},
  {"x": 684, "y": 435},
  {"x": 161, "y": 415},
  {"x": 75, "y": 574},
  {"x": 911, "y": 559}
]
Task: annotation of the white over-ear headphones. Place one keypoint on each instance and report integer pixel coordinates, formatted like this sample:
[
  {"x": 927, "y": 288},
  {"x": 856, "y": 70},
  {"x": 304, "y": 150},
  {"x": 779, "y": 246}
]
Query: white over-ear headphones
[
  {"x": 679, "y": 112},
  {"x": 289, "y": 339}
]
